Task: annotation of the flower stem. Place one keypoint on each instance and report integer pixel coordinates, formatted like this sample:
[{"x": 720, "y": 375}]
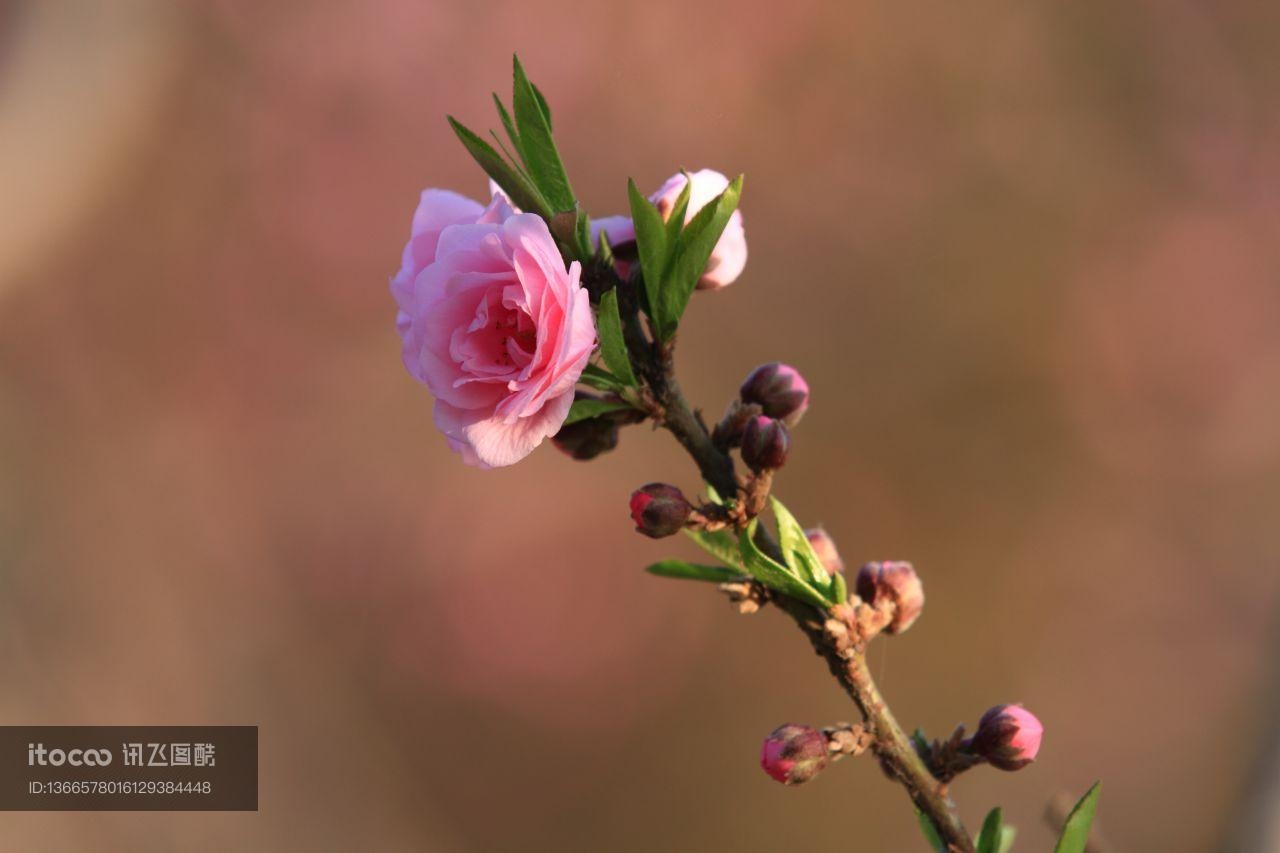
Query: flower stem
[{"x": 891, "y": 745}]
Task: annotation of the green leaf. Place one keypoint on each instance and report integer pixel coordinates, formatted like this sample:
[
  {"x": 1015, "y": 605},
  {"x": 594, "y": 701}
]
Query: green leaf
[
  {"x": 583, "y": 235},
  {"x": 773, "y": 574},
  {"x": 839, "y": 590},
  {"x": 591, "y": 408},
  {"x": 522, "y": 194},
  {"x": 542, "y": 102},
  {"x": 989, "y": 835},
  {"x": 1075, "y": 833},
  {"x": 692, "y": 571},
  {"x": 690, "y": 255},
  {"x": 533, "y": 123},
  {"x": 796, "y": 549},
  {"x": 601, "y": 379},
  {"x": 613, "y": 347},
  {"x": 930, "y": 833},
  {"x": 675, "y": 219},
  {"x": 651, "y": 245},
  {"x": 605, "y": 251},
  {"x": 507, "y": 123},
  {"x": 1005, "y": 842},
  {"x": 721, "y": 544}
]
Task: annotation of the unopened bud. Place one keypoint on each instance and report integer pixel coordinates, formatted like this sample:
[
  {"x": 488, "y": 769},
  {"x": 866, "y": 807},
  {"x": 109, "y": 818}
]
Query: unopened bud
[
  {"x": 898, "y": 583},
  {"x": 794, "y": 754},
  {"x": 1008, "y": 737},
  {"x": 779, "y": 390},
  {"x": 588, "y": 438},
  {"x": 825, "y": 547},
  {"x": 659, "y": 510},
  {"x": 765, "y": 444}
]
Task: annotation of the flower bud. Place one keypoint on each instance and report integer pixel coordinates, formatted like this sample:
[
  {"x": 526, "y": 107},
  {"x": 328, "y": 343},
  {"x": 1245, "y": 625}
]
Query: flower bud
[
  {"x": 1008, "y": 737},
  {"x": 730, "y": 253},
  {"x": 825, "y": 547},
  {"x": 765, "y": 444},
  {"x": 659, "y": 510},
  {"x": 779, "y": 390},
  {"x": 898, "y": 583},
  {"x": 794, "y": 754},
  {"x": 587, "y": 439}
]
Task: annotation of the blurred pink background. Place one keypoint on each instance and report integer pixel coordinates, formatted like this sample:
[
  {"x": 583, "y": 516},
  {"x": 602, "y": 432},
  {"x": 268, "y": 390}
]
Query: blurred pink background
[{"x": 1027, "y": 255}]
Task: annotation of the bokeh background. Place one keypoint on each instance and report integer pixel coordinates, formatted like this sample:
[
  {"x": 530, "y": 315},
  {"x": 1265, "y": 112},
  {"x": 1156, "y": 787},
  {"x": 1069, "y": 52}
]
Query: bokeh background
[{"x": 1027, "y": 254}]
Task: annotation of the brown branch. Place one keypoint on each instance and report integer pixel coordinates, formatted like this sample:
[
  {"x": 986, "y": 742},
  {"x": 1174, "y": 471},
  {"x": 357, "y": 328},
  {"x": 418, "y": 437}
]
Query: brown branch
[
  {"x": 846, "y": 661},
  {"x": 891, "y": 745}
]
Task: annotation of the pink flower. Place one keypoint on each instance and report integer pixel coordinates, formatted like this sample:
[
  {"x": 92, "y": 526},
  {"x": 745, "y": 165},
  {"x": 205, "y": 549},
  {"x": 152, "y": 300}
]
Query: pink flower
[
  {"x": 730, "y": 254},
  {"x": 492, "y": 323},
  {"x": 727, "y": 258}
]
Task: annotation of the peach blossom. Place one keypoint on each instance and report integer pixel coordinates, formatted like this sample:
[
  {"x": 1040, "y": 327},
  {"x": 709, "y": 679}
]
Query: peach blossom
[{"x": 492, "y": 323}]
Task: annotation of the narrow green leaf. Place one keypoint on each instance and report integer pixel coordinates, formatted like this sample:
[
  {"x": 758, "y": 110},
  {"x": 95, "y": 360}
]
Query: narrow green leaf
[
  {"x": 692, "y": 571},
  {"x": 513, "y": 159},
  {"x": 1005, "y": 842},
  {"x": 1075, "y": 833},
  {"x": 536, "y": 145},
  {"x": 522, "y": 194},
  {"x": 930, "y": 833},
  {"x": 773, "y": 574},
  {"x": 651, "y": 245},
  {"x": 675, "y": 219},
  {"x": 605, "y": 248},
  {"x": 839, "y": 590},
  {"x": 689, "y": 257},
  {"x": 583, "y": 235},
  {"x": 799, "y": 554},
  {"x": 507, "y": 123},
  {"x": 599, "y": 378},
  {"x": 592, "y": 408},
  {"x": 721, "y": 544},
  {"x": 989, "y": 835},
  {"x": 542, "y": 102},
  {"x": 613, "y": 347}
]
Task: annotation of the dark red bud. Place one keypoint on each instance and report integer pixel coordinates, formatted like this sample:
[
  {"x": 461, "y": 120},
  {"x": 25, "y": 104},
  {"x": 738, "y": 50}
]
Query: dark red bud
[
  {"x": 659, "y": 510},
  {"x": 588, "y": 438},
  {"x": 779, "y": 390},
  {"x": 765, "y": 444}
]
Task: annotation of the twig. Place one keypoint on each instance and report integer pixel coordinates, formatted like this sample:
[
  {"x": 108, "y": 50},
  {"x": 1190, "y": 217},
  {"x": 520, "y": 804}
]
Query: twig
[{"x": 890, "y": 744}]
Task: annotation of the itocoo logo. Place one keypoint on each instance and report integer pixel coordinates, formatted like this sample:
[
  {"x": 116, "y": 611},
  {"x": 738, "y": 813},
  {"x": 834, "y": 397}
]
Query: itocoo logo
[{"x": 38, "y": 755}]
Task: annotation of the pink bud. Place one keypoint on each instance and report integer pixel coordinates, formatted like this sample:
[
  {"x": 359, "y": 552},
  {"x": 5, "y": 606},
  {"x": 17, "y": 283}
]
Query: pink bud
[
  {"x": 765, "y": 444},
  {"x": 898, "y": 583},
  {"x": 1008, "y": 737},
  {"x": 730, "y": 253},
  {"x": 659, "y": 510},
  {"x": 825, "y": 547},
  {"x": 794, "y": 754},
  {"x": 779, "y": 390}
]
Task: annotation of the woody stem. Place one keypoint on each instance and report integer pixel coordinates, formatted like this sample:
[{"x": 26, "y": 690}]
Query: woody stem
[{"x": 891, "y": 745}]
